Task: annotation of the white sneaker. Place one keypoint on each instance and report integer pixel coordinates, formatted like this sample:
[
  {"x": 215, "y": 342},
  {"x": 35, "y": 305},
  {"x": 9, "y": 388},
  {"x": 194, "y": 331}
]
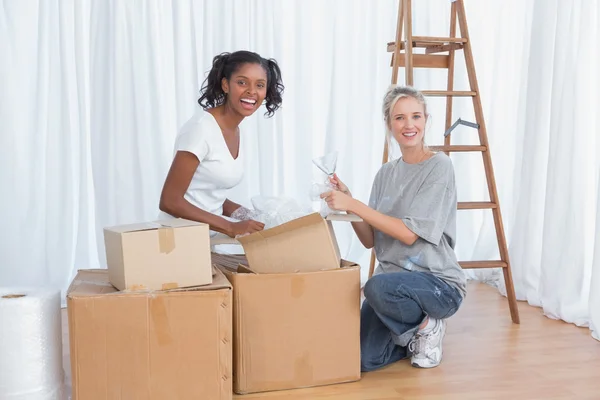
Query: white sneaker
[{"x": 426, "y": 345}]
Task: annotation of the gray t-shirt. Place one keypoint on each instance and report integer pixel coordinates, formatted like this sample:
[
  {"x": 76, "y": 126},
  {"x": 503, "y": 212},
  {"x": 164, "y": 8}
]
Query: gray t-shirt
[{"x": 423, "y": 196}]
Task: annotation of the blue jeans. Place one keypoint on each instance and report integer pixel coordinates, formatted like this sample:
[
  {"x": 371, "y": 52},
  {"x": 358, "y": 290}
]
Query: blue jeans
[{"x": 395, "y": 305}]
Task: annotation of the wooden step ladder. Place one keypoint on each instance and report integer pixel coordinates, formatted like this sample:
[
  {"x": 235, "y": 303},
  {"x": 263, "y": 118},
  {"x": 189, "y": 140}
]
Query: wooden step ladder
[{"x": 440, "y": 53}]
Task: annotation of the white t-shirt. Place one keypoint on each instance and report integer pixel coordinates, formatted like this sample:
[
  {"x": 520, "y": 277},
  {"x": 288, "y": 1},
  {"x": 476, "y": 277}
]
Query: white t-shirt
[{"x": 217, "y": 172}]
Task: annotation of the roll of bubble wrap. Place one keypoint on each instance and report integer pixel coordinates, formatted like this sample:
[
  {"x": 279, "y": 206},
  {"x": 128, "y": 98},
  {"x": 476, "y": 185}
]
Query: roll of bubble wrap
[{"x": 30, "y": 345}]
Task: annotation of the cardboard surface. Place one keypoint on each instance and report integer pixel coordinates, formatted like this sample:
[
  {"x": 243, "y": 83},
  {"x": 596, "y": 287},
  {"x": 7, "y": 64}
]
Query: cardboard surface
[
  {"x": 173, "y": 344},
  {"x": 221, "y": 239},
  {"x": 294, "y": 330},
  {"x": 305, "y": 244},
  {"x": 158, "y": 255}
]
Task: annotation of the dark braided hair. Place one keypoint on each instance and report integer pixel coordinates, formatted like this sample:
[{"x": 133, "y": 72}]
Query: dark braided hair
[{"x": 225, "y": 64}]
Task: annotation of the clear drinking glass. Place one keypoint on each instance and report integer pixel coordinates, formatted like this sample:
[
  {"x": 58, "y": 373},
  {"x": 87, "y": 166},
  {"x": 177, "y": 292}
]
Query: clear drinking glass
[{"x": 327, "y": 164}]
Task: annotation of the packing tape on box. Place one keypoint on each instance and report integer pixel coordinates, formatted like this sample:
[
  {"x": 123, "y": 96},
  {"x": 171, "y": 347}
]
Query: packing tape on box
[
  {"x": 166, "y": 239},
  {"x": 31, "y": 345},
  {"x": 160, "y": 321},
  {"x": 166, "y": 236}
]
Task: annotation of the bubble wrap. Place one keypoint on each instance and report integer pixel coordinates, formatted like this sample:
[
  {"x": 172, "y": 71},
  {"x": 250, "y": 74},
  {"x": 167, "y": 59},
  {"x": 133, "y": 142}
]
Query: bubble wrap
[{"x": 31, "y": 345}]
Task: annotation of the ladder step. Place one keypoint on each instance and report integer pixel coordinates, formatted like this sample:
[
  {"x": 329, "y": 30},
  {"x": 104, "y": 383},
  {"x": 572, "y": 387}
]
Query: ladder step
[
  {"x": 476, "y": 205},
  {"x": 391, "y": 47},
  {"x": 428, "y": 42},
  {"x": 439, "y": 40},
  {"x": 425, "y": 61},
  {"x": 448, "y": 92},
  {"x": 483, "y": 264},
  {"x": 443, "y": 48},
  {"x": 458, "y": 148}
]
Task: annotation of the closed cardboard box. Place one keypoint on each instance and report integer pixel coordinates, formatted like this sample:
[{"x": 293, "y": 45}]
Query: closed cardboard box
[
  {"x": 158, "y": 255},
  {"x": 293, "y": 330},
  {"x": 302, "y": 245},
  {"x": 172, "y": 345}
]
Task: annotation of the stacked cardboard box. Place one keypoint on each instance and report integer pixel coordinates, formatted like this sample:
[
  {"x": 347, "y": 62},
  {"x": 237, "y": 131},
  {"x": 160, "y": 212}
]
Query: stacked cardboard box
[
  {"x": 158, "y": 255},
  {"x": 163, "y": 323},
  {"x": 158, "y": 323}
]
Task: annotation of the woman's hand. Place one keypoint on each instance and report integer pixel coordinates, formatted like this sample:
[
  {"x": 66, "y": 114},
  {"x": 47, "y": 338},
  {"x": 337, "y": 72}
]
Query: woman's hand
[
  {"x": 337, "y": 200},
  {"x": 245, "y": 227},
  {"x": 339, "y": 185}
]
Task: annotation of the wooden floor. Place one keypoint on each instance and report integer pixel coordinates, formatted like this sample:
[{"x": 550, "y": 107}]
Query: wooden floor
[{"x": 485, "y": 357}]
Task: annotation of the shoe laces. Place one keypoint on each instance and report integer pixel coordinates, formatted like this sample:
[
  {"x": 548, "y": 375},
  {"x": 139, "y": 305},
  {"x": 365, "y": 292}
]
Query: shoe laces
[{"x": 421, "y": 343}]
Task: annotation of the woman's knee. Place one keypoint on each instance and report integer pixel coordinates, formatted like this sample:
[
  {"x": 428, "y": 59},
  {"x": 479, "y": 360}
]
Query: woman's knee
[
  {"x": 375, "y": 288},
  {"x": 383, "y": 287}
]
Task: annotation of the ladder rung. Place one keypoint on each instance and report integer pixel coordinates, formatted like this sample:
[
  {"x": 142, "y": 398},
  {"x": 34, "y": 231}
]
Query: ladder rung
[
  {"x": 448, "y": 92},
  {"x": 425, "y": 61},
  {"x": 458, "y": 148},
  {"x": 483, "y": 264},
  {"x": 436, "y": 47},
  {"x": 427, "y": 42},
  {"x": 476, "y": 205},
  {"x": 391, "y": 47},
  {"x": 435, "y": 39},
  {"x": 443, "y": 48}
]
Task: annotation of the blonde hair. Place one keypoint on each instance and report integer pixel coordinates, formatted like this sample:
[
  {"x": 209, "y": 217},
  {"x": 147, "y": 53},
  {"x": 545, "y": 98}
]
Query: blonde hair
[{"x": 395, "y": 93}]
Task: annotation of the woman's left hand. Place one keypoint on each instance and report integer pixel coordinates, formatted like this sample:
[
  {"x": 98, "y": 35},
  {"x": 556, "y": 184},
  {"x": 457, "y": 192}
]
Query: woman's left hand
[{"x": 337, "y": 200}]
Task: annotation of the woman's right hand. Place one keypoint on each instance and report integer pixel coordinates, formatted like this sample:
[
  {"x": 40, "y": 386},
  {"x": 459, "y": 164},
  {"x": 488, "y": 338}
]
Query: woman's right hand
[
  {"x": 245, "y": 227},
  {"x": 339, "y": 185}
]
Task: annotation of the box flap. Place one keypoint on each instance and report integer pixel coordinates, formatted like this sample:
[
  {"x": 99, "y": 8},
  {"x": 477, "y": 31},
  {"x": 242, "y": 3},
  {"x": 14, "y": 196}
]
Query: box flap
[
  {"x": 91, "y": 282},
  {"x": 151, "y": 225},
  {"x": 233, "y": 263},
  {"x": 304, "y": 244},
  {"x": 221, "y": 239},
  {"x": 311, "y": 219},
  {"x": 219, "y": 282},
  {"x": 94, "y": 282}
]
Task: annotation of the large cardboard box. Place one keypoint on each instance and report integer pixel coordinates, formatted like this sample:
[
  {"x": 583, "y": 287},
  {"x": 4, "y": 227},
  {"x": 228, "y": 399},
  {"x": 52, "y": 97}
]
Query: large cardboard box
[
  {"x": 160, "y": 345},
  {"x": 158, "y": 255},
  {"x": 293, "y": 330},
  {"x": 302, "y": 245}
]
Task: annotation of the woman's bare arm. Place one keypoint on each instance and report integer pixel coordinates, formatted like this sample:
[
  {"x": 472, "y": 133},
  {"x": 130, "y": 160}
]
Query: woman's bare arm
[{"x": 173, "y": 202}]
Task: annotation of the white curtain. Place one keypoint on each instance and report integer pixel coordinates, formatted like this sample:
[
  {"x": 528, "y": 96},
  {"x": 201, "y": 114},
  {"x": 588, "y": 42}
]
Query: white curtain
[
  {"x": 555, "y": 199},
  {"x": 47, "y": 202},
  {"x": 92, "y": 94}
]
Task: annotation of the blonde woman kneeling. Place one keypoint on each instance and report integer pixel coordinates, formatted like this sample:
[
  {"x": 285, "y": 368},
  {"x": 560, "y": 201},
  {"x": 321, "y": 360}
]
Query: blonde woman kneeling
[{"x": 411, "y": 222}]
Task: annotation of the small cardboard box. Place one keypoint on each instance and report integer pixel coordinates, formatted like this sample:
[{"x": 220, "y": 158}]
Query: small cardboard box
[
  {"x": 293, "y": 330},
  {"x": 158, "y": 255},
  {"x": 304, "y": 244},
  {"x": 159, "y": 345}
]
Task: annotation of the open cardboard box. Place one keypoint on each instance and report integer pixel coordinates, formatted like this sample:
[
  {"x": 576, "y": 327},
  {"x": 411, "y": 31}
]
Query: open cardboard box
[
  {"x": 304, "y": 244},
  {"x": 158, "y": 255},
  {"x": 295, "y": 329},
  {"x": 222, "y": 239},
  {"x": 174, "y": 344}
]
